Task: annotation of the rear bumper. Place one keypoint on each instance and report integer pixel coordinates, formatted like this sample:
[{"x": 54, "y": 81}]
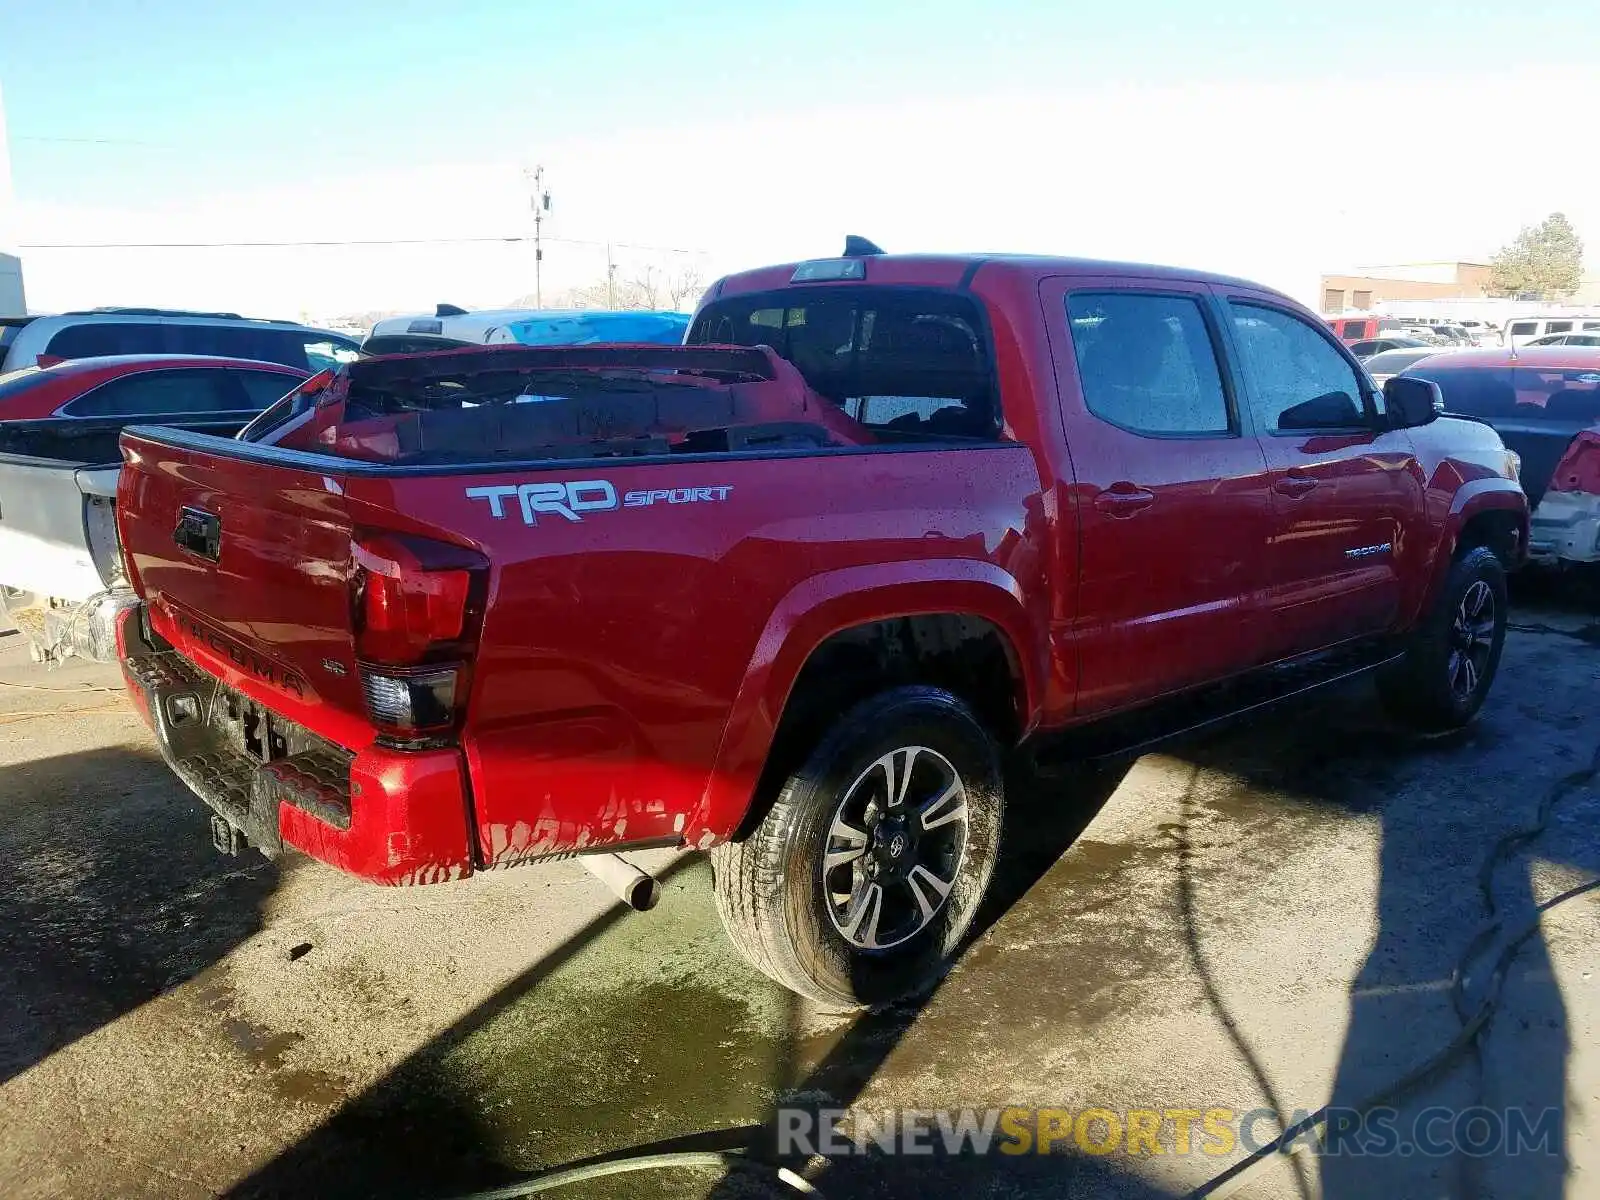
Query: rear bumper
[
  {"x": 390, "y": 816},
  {"x": 1565, "y": 527}
]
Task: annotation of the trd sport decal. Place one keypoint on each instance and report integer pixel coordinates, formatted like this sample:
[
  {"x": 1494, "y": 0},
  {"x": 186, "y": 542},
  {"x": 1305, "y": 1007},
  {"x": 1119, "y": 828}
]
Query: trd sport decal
[{"x": 573, "y": 500}]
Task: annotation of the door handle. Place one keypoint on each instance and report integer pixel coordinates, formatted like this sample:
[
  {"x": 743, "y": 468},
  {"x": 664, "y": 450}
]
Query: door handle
[
  {"x": 1294, "y": 485},
  {"x": 1123, "y": 500}
]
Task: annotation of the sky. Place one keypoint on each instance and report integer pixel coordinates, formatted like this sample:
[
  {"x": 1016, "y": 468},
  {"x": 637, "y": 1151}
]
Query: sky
[{"x": 1271, "y": 140}]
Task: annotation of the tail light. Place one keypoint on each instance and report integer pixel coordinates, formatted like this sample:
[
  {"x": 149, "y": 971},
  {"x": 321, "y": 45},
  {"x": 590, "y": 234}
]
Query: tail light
[{"x": 418, "y": 605}]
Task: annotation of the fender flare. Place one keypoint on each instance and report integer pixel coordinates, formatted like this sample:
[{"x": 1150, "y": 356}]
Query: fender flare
[
  {"x": 1472, "y": 498},
  {"x": 821, "y": 606}
]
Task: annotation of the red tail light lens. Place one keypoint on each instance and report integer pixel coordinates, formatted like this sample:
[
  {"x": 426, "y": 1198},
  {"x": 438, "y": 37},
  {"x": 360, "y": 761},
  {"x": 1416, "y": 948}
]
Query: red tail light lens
[
  {"x": 414, "y": 599},
  {"x": 417, "y": 608}
]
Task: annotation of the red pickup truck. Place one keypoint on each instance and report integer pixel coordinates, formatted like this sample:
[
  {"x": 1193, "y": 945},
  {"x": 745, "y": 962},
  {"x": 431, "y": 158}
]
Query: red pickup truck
[{"x": 790, "y": 592}]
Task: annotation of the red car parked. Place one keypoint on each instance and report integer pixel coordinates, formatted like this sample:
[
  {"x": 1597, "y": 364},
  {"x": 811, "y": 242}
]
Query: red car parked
[
  {"x": 144, "y": 386},
  {"x": 447, "y": 612},
  {"x": 61, "y": 578}
]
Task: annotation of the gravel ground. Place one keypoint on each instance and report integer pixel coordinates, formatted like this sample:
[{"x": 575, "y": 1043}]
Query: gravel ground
[{"x": 1265, "y": 918}]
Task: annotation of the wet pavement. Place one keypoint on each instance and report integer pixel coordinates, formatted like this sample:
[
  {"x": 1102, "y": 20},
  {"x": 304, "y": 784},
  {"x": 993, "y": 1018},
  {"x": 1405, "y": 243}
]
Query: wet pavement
[{"x": 1264, "y": 918}]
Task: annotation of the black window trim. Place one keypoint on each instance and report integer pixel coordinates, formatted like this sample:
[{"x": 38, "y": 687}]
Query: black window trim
[
  {"x": 1199, "y": 297},
  {"x": 985, "y": 330},
  {"x": 223, "y": 373},
  {"x": 1373, "y": 424}
]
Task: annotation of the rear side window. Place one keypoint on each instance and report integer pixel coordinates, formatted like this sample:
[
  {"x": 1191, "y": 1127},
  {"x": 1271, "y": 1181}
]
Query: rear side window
[
  {"x": 93, "y": 339},
  {"x": 909, "y": 364},
  {"x": 1146, "y": 363},
  {"x": 159, "y": 394},
  {"x": 263, "y": 388},
  {"x": 1558, "y": 327},
  {"x": 1297, "y": 380}
]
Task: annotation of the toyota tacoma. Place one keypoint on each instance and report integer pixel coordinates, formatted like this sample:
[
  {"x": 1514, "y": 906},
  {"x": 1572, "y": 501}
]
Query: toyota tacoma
[{"x": 793, "y": 591}]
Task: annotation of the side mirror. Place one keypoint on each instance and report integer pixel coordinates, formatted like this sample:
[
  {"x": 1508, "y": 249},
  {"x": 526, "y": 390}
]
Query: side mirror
[{"x": 1412, "y": 402}]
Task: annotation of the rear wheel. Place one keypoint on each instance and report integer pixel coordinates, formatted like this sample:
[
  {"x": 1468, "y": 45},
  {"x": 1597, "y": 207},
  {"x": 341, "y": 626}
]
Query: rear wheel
[
  {"x": 858, "y": 886},
  {"x": 1451, "y": 661}
]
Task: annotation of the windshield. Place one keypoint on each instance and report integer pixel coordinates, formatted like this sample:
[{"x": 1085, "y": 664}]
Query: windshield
[{"x": 908, "y": 363}]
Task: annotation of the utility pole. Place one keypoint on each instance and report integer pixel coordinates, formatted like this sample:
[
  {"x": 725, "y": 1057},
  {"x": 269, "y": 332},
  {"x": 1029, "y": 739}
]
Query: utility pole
[{"x": 541, "y": 205}]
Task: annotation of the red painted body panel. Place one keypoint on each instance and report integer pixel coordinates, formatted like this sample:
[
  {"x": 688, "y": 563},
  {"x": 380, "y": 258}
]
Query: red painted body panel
[
  {"x": 633, "y": 665},
  {"x": 52, "y": 387},
  {"x": 1579, "y": 468}
]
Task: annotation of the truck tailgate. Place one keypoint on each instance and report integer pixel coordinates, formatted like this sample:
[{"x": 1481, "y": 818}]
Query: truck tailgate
[{"x": 246, "y": 566}]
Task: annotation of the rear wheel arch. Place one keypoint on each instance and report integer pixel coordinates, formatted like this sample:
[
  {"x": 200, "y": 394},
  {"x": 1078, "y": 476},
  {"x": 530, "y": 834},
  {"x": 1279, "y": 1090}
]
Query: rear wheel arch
[{"x": 967, "y": 655}]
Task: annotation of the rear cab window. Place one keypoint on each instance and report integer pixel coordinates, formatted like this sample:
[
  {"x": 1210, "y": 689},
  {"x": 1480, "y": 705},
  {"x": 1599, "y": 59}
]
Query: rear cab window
[
  {"x": 800, "y": 370},
  {"x": 909, "y": 364}
]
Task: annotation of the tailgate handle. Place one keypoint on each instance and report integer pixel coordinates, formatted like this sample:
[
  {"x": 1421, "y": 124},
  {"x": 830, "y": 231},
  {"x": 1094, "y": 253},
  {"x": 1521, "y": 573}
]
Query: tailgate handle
[{"x": 199, "y": 532}]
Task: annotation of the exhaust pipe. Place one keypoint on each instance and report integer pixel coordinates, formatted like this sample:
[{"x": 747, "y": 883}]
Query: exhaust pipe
[{"x": 627, "y": 882}]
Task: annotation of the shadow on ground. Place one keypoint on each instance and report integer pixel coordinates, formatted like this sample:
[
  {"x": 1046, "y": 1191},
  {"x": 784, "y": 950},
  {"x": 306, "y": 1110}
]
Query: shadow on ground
[{"x": 110, "y": 894}]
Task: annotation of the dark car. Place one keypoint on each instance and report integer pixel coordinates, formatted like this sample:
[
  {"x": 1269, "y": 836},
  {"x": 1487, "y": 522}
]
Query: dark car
[
  {"x": 1389, "y": 363},
  {"x": 1544, "y": 401},
  {"x": 1364, "y": 350}
]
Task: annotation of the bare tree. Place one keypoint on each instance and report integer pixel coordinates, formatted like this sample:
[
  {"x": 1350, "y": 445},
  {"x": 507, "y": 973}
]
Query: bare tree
[
  {"x": 684, "y": 286},
  {"x": 643, "y": 290}
]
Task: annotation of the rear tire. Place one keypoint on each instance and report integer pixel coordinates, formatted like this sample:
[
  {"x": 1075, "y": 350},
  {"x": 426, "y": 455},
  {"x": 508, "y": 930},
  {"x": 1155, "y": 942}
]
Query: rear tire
[
  {"x": 859, "y": 885},
  {"x": 1453, "y": 655}
]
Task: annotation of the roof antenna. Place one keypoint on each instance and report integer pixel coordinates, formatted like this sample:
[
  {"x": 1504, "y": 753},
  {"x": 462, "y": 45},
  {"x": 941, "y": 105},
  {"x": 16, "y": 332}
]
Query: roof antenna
[
  {"x": 448, "y": 310},
  {"x": 856, "y": 246}
]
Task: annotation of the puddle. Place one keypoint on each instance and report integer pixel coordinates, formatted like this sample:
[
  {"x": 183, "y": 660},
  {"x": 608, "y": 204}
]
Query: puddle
[{"x": 654, "y": 1029}]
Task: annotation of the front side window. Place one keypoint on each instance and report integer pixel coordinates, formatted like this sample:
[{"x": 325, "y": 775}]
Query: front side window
[
  {"x": 909, "y": 364},
  {"x": 157, "y": 394},
  {"x": 1146, "y": 363},
  {"x": 1522, "y": 328},
  {"x": 1297, "y": 380}
]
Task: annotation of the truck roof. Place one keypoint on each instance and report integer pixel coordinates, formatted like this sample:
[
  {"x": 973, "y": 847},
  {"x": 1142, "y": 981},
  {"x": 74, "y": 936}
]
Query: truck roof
[{"x": 957, "y": 270}]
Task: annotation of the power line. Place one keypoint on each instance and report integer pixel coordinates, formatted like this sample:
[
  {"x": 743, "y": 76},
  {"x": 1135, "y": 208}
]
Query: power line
[
  {"x": 90, "y": 141},
  {"x": 436, "y": 241}
]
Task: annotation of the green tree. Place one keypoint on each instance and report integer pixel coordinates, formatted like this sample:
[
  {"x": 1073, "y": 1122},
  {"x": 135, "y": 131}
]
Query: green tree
[{"x": 1545, "y": 260}]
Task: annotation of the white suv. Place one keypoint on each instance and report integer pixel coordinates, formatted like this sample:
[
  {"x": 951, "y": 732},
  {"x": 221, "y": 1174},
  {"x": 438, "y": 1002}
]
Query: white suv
[{"x": 25, "y": 341}]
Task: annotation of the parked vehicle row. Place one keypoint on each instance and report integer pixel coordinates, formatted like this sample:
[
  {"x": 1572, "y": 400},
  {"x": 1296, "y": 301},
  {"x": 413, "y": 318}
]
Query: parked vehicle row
[
  {"x": 438, "y": 613},
  {"x": 1545, "y": 403},
  {"x": 448, "y": 326},
  {"x": 72, "y": 381},
  {"x": 61, "y": 576}
]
